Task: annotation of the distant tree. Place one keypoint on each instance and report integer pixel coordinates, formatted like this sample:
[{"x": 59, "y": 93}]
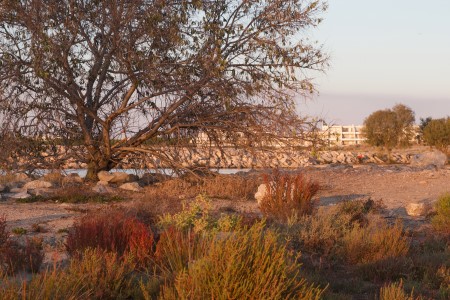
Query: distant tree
[
  {"x": 118, "y": 74},
  {"x": 422, "y": 125},
  {"x": 390, "y": 127},
  {"x": 381, "y": 129},
  {"x": 405, "y": 120},
  {"x": 437, "y": 133}
]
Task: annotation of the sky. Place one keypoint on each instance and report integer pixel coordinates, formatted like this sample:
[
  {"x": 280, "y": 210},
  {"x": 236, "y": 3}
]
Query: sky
[{"x": 382, "y": 53}]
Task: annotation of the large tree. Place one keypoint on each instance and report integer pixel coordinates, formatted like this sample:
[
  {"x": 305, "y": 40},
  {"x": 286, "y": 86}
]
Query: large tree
[{"x": 116, "y": 74}]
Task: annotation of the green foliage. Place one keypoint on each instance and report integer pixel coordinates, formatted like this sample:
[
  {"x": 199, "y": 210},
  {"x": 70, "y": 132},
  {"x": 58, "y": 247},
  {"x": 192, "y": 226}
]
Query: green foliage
[
  {"x": 288, "y": 196},
  {"x": 19, "y": 231},
  {"x": 437, "y": 133},
  {"x": 196, "y": 215},
  {"x": 441, "y": 221},
  {"x": 390, "y": 127},
  {"x": 257, "y": 267}
]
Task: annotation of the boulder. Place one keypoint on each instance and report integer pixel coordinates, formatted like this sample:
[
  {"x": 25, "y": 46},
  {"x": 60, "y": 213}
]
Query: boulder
[
  {"x": 38, "y": 184},
  {"x": 72, "y": 179},
  {"x": 152, "y": 178},
  {"x": 102, "y": 188},
  {"x": 21, "y": 195},
  {"x": 131, "y": 186},
  {"x": 121, "y": 178},
  {"x": 261, "y": 193},
  {"x": 105, "y": 176},
  {"x": 2, "y": 188},
  {"x": 418, "y": 209},
  {"x": 431, "y": 158}
]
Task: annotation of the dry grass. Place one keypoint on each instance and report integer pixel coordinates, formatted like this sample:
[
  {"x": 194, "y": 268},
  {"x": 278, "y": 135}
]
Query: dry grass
[
  {"x": 288, "y": 196},
  {"x": 219, "y": 186}
]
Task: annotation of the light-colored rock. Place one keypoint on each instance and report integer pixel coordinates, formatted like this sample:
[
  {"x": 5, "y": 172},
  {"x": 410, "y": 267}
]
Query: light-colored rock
[
  {"x": 2, "y": 188},
  {"x": 261, "y": 193},
  {"x": 431, "y": 158},
  {"x": 17, "y": 190},
  {"x": 22, "y": 177},
  {"x": 101, "y": 182},
  {"x": 418, "y": 209},
  {"x": 21, "y": 195},
  {"x": 105, "y": 176},
  {"x": 131, "y": 186},
  {"x": 72, "y": 179},
  {"x": 103, "y": 189},
  {"x": 121, "y": 178},
  {"x": 38, "y": 184}
]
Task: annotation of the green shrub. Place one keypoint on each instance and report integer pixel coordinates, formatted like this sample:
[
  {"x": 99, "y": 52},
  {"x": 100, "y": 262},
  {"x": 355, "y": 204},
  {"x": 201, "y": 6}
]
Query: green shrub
[
  {"x": 288, "y": 196},
  {"x": 437, "y": 133},
  {"x": 196, "y": 216},
  {"x": 441, "y": 221},
  {"x": 19, "y": 231},
  {"x": 247, "y": 264}
]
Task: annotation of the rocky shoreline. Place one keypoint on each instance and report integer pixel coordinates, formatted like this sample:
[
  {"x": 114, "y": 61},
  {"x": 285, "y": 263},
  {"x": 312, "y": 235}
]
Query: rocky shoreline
[{"x": 231, "y": 158}]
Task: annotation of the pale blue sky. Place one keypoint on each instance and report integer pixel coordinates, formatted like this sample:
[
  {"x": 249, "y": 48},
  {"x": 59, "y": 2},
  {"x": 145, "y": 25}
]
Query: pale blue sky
[{"x": 382, "y": 53}]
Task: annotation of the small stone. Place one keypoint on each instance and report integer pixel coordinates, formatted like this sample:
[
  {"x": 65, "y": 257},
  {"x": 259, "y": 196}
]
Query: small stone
[
  {"x": 102, "y": 189},
  {"x": 261, "y": 193},
  {"x": 417, "y": 209},
  {"x": 2, "y": 188},
  {"x": 21, "y": 195},
  {"x": 131, "y": 186},
  {"x": 38, "y": 184}
]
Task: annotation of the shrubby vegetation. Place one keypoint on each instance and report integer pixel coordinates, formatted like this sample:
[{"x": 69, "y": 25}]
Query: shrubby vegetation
[
  {"x": 437, "y": 133},
  {"x": 390, "y": 128},
  {"x": 336, "y": 252}
]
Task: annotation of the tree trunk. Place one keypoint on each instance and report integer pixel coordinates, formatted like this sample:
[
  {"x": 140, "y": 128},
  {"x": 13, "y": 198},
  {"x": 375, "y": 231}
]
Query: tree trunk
[{"x": 97, "y": 165}]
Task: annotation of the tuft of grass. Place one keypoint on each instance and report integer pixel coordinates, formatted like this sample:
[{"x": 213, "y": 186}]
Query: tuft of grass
[
  {"x": 288, "y": 196},
  {"x": 441, "y": 221},
  {"x": 248, "y": 264},
  {"x": 97, "y": 275},
  {"x": 19, "y": 230},
  {"x": 395, "y": 291}
]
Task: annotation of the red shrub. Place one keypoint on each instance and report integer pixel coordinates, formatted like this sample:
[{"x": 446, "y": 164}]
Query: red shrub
[
  {"x": 288, "y": 196},
  {"x": 111, "y": 231},
  {"x": 16, "y": 257}
]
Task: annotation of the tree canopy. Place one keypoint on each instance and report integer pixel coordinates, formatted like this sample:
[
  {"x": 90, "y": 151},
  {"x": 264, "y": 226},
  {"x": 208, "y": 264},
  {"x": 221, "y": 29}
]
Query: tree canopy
[
  {"x": 390, "y": 127},
  {"x": 437, "y": 133},
  {"x": 116, "y": 74}
]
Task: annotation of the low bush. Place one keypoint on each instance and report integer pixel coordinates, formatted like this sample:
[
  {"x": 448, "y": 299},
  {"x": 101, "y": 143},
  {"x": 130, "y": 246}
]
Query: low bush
[
  {"x": 111, "y": 231},
  {"x": 337, "y": 234},
  {"x": 196, "y": 215},
  {"x": 441, "y": 221},
  {"x": 288, "y": 196},
  {"x": 16, "y": 256},
  {"x": 247, "y": 264},
  {"x": 95, "y": 275}
]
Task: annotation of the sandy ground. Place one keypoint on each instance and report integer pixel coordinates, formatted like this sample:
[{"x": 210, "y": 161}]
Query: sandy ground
[{"x": 394, "y": 185}]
